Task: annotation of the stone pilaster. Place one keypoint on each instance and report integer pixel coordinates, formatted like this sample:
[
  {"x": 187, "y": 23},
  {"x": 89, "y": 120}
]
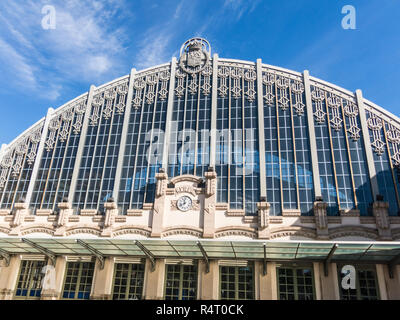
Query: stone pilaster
[
  {"x": 53, "y": 291},
  {"x": 109, "y": 219},
  {"x": 329, "y": 285},
  {"x": 263, "y": 219},
  {"x": 209, "y": 282},
  {"x": 154, "y": 281},
  {"x": 8, "y": 278},
  {"x": 267, "y": 284},
  {"x": 210, "y": 201},
  {"x": 21, "y": 210},
  {"x": 62, "y": 220},
  {"x": 321, "y": 220},
  {"x": 102, "y": 284},
  {"x": 159, "y": 203},
  {"x": 380, "y": 210}
]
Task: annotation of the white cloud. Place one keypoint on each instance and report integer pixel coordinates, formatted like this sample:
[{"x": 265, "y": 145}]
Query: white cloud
[
  {"x": 86, "y": 43},
  {"x": 153, "y": 50}
]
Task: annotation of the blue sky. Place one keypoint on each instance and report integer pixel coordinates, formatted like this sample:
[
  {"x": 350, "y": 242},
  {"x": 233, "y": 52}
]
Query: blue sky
[{"x": 97, "y": 41}]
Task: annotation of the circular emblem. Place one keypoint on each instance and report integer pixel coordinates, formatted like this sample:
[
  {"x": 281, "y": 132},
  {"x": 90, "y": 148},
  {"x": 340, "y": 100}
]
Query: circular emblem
[
  {"x": 184, "y": 203},
  {"x": 195, "y": 54}
]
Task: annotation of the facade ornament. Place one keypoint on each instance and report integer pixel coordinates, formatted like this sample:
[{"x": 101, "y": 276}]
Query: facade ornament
[
  {"x": 375, "y": 124},
  {"x": 180, "y": 87},
  {"x": 80, "y": 110},
  {"x": 20, "y": 212},
  {"x": 321, "y": 219},
  {"x": 297, "y": 88},
  {"x": 211, "y": 183},
  {"x": 111, "y": 209},
  {"x": 151, "y": 81},
  {"x": 34, "y": 138},
  {"x": 351, "y": 111},
  {"x": 318, "y": 96},
  {"x": 53, "y": 127},
  {"x": 210, "y": 202},
  {"x": 236, "y": 75},
  {"x": 162, "y": 183},
  {"x": 97, "y": 103},
  {"x": 282, "y": 85},
  {"x": 66, "y": 118},
  {"x": 193, "y": 86},
  {"x": 194, "y": 55},
  {"x": 207, "y": 73},
  {"x": 263, "y": 219},
  {"x": 20, "y": 151},
  {"x": 250, "y": 76},
  {"x": 334, "y": 103},
  {"x": 223, "y": 74},
  {"x": 6, "y": 164},
  {"x": 393, "y": 137},
  {"x": 160, "y": 206},
  {"x": 109, "y": 96},
  {"x": 65, "y": 212},
  {"x": 164, "y": 78},
  {"x": 380, "y": 210},
  {"x": 268, "y": 80},
  {"x": 138, "y": 86},
  {"x": 122, "y": 91}
]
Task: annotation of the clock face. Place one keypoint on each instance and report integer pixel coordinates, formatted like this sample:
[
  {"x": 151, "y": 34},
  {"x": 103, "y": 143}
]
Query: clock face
[{"x": 184, "y": 203}]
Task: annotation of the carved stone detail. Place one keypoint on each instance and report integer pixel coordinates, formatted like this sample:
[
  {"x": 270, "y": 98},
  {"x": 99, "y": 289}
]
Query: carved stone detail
[
  {"x": 380, "y": 210},
  {"x": 263, "y": 219},
  {"x": 20, "y": 212},
  {"x": 321, "y": 219}
]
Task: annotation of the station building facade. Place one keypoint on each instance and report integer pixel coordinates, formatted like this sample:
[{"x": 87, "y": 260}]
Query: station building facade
[{"x": 204, "y": 178}]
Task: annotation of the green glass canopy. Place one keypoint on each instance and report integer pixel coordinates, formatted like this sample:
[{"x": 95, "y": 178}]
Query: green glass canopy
[{"x": 355, "y": 252}]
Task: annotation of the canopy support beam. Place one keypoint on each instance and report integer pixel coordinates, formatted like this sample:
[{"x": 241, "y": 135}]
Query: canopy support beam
[
  {"x": 265, "y": 260},
  {"x": 392, "y": 264},
  {"x": 148, "y": 255},
  {"x": 328, "y": 259},
  {"x": 6, "y": 256},
  {"x": 205, "y": 256},
  {"x": 94, "y": 251},
  {"x": 49, "y": 254}
]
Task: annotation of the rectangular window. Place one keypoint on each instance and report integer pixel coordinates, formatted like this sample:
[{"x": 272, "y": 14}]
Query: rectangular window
[
  {"x": 366, "y": 285},
  {"x": 295, "y": 283},
  {"x": 29, "y": 285},
  {"x": 128, "y": 281},
  {"x": 78, "y": 280},
  {"x": 236, "y": 283},
  {"x": 180, "y": 282}
]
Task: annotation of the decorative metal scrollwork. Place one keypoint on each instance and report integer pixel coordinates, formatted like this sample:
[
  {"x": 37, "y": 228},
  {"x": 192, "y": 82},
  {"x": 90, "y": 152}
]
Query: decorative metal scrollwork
[
  {"x": 282, "y": 84},
  {"x": 393, "y": 136},
  {"x": 334, "y": 103},
  {"x": 97, "y": 103},
  {"x": 318, "y": 96},
  {"x": 269, "y": 81},
  {"x": 223, "y": 74},
  {"x": 207, "y": 73},
  {"x": 180, "y": 88},
  {"x": 351, "y": 111},
  {"x": 375, "y": 125},
  {"x": 298, "y": 90},
  {"x": 250, "y": 76},
  {"x": 164, "y": 77},
  {"x": 109, "y": 96},
  {"x": 54, "y": 125},
  {"x": 138, "y": 85}
]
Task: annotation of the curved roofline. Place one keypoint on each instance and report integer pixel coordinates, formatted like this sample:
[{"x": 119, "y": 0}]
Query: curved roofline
[
  {"x": 31, "y": 128},
  {"x": 280, "y": 69}
]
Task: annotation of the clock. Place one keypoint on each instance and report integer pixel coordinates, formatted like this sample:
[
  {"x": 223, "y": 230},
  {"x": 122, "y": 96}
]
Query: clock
[{"x": 184, "y": 203}]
